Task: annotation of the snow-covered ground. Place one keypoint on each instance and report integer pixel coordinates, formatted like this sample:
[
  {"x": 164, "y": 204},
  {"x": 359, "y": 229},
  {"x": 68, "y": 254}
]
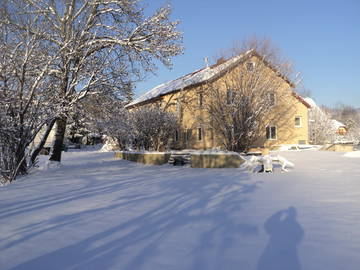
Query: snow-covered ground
[{"x": 100, "y": 213}]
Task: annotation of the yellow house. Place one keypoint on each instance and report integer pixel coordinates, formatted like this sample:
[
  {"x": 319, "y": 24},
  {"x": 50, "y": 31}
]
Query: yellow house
[{"x": 192, "y": 96}]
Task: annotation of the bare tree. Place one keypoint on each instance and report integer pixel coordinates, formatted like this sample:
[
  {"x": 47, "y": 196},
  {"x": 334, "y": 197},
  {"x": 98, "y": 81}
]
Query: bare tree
[
  {"x": 153, "y": 128},
  {"x": 243, "y": 104},
  {"x": 148, "y": 128},
  {"x": 100, "y": 44},
  {"x": 25, "y": 101},
  {"x": 105, "y": 114},
  {"x": 320, "y": 126}
]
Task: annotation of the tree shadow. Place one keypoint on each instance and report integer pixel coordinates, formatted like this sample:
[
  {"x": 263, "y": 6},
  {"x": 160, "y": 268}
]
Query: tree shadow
[
  {"x": 281, "y": 252},
  {"x": 163, "y": 210}
]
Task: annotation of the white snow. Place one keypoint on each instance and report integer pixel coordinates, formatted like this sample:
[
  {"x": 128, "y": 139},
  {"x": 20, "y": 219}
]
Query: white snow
[
  {"x": 99, "y": 213},
  {"x": 195, "y": 77},
  {"x": 298, "y": 147},
  {"x": 354, "y": 154},
  {"x": 311, "y": 102},
  {"x": 336, "y": 124},
  {"x": 253, "y": 163}
]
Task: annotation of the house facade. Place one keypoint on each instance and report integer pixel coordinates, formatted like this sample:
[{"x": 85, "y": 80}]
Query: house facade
[{"x": 191, "y": 96}]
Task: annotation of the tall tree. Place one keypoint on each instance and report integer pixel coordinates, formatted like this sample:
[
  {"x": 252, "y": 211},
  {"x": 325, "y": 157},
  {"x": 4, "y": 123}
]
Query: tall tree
[
  {"x": 25, "y": 100},
  {"x": 252, "y": 91},
  {"x": 100, "y": 44}
]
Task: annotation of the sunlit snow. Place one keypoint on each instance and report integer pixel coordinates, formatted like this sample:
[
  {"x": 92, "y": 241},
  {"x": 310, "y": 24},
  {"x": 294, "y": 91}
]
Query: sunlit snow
[{"x": 95, "y": 212}]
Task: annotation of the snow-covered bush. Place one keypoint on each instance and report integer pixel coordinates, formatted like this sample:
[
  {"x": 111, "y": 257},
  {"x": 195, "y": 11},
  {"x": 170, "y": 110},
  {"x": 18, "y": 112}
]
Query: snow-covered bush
[
  {"x": 119, "y": 126},
  {"x": 153, "y": 128},
  {"x": 144, "y": 128},
  {"x": 320, "y": 125}
]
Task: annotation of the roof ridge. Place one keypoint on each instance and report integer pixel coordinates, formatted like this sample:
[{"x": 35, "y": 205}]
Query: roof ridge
[{"x": 197, "y": 76}]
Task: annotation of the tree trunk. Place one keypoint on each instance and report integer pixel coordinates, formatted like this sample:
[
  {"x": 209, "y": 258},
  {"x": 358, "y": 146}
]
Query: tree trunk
[
  {"x": 40, "y": 146},
  {"x": 59, "y": 139},
  {"x": 20, "y": 162}
]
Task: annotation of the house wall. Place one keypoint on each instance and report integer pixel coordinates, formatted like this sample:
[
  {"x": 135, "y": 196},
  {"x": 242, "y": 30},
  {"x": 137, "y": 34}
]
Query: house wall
[
  {"x": 184, "y": 104},
  {"x": 283, "y": 117}
]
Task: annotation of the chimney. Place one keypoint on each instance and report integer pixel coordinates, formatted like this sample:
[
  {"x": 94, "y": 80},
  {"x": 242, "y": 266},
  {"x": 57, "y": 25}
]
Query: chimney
[
  {"x": 206, "y": 59},
  {"x": 220, "y": 61}
]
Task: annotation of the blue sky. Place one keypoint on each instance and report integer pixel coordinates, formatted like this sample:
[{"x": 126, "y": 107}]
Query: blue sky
[{"x": 322, "y": 38}]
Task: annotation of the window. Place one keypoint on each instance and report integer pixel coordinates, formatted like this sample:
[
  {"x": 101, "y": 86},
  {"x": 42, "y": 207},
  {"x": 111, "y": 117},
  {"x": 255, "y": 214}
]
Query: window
[
  {"x": 200, "y": 99},
  {"x": 250, "y": 66},
  {"x": 187, "y": 135},
  {"x": 184, "y": 136},
  {"x": 229, "y": 96},
  {"x": 271, "y": 133},
  {"x": 341, "y": 131},
  {"x": 178, "y": 107},
  {"x": 297, "y": 121},
  {"x": 272, "y": 99},
  {"x": 176, "y": 137},
  {"x": 200, "y": 135},
  {"x": 211, "y": 132}
]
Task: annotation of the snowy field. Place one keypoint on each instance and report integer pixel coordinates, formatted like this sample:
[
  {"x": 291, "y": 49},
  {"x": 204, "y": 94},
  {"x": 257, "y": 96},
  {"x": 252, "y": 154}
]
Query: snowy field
[{"x": 100, "y": 213}]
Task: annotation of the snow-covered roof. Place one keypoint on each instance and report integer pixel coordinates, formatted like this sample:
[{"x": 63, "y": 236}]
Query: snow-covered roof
[
  {"x": 311, "y": 102},
  {"x": 195, "y": 77},
  {"x": 336, "y": 124}
]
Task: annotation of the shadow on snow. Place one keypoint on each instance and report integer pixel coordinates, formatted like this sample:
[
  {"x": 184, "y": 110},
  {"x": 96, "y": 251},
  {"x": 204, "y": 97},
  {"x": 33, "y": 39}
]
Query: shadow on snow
[{"x": 162, "y": 202}]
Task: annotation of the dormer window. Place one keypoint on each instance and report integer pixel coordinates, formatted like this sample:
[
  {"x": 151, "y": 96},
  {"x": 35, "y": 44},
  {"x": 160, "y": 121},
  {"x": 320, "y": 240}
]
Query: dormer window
[{"x": 250, "y": 66}]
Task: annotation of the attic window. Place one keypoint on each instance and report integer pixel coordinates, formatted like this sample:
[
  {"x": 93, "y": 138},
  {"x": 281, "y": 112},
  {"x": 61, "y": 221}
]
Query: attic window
[
  {"x": 250, "y": 66},
  {"x": 272, "y": 99},
  {"x": 297, "y": 121}
]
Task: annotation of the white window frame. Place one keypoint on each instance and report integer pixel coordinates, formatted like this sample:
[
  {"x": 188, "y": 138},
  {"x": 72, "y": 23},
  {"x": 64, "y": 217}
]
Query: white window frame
[
  {"x": 270, "y": 135},
  {"x": 300, "y": 125}
]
